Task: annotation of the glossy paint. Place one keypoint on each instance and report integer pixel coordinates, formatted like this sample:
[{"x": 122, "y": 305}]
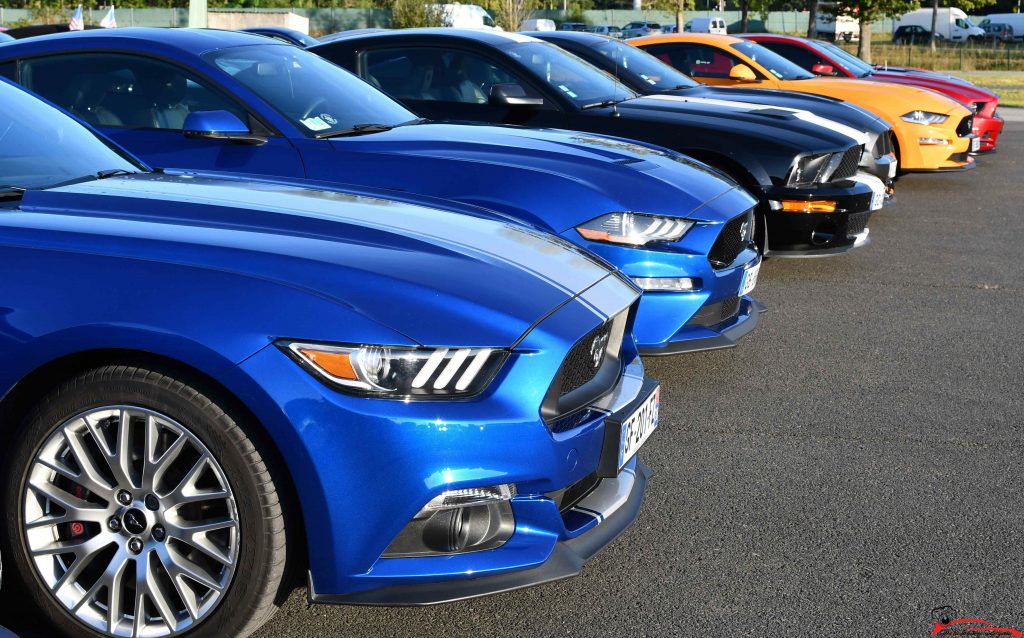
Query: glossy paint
[
  {"x": 987, "y": 125},
  {"x": 554, "y": 180},
  {"x": 211, "y": 272},
  {"x": 888, "y": 101}
]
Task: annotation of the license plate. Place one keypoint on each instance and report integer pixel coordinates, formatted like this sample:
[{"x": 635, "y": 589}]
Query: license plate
[
  {"x": 749, "y": 279},
  {"x": 892, "y": 170},
  {"x": 637, "y": 427},
  {"x": 975, "y": 144}
]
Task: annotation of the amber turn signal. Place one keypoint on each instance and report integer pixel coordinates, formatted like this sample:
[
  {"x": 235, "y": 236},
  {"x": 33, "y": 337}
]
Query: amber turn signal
[{"x": 812, "y": 206}]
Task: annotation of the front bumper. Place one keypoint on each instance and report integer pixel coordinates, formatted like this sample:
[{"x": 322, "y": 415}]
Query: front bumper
[
  {"x": 724, "y": 335},
  {"x": 916, "y": 157},
  {"x": 566, "y": 559},
  {"x": 988, "y": 128},
  {"x": 818, "y": 234}
]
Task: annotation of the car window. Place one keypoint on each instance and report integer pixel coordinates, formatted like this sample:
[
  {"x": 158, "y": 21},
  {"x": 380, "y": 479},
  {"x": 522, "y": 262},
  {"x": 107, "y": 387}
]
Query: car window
[
  {"x": 697, "y": 60},
  {"x": 434, "y": 73},
  {"x": 644, "y": 66},
  {"x": 316, "y": 96},
  {"x": 114, "y": 90},
  {"x": 43, "y": 146},
  {"x": 859, "y": 67},
  {"x": 567, "y": 74},
  {"x": 796, "y": 54},
  {"x": 772, "y": 62}
]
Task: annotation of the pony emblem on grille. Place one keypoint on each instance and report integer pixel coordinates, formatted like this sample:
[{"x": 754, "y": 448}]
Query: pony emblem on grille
[{"x": 597, "y": 348}]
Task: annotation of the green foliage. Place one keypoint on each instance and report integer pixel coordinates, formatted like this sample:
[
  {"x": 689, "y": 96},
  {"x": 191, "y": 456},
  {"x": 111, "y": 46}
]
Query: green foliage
[{"x": 406, "y": 14}]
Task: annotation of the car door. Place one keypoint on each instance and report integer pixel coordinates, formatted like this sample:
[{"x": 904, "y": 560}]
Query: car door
[
  {"x": 454, "y": 84},
  {"x": 141, "y": 103}
]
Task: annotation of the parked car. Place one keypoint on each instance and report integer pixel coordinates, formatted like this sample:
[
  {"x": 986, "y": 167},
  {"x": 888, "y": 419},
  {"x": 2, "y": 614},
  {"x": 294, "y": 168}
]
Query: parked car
[
  {"x": 833, "y": 27},
  {"x": 603, "y": 29},
  {"x": 641, "y": 28},
  {"x": 997, "y": 31},
  {"x": 572, "y": 26},
  {"x": 787, "y": 162},
  {"x": 1014, "y": 20},
  {"x": 291, "y": 36},
  {"x": 705, "y": 25},
  {"x": 823, "y": 58},
  {"x": 468, "y": 16},
  {"x": 913, "y": 34},
  {"x": 205, "y": 369},
  {"x": 647, "y": 75},
  {"x": 951, "y": 23},
  {"x": 933, "y": 132},
  {"x": 233, "y": 101}
]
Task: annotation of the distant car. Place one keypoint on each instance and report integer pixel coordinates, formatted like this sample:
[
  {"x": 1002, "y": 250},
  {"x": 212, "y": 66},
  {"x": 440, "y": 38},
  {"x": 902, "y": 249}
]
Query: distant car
[
  {"x": 825, "y": 58},
  {"x": 1014, "y": 20},
  {"x": 705, "y": 25},
  {"x": 572, "y": 26},
  {"x": 999, "y": 31},
  {"x": 291, "y": 36},
  {"x": 640, "y": 29},
  {"x": 913, "y": 34},
  {"x": 602, "y": 29}
]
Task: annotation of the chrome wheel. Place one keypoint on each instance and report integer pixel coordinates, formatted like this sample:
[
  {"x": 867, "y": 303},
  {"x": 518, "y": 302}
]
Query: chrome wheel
[{"x": 130, "y": 522}]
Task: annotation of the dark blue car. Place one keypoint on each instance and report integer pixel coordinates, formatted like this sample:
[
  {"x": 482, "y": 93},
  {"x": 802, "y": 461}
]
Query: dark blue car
[
  {"x": 207, "y": 381},
  {"x": 228, "y": 101}
]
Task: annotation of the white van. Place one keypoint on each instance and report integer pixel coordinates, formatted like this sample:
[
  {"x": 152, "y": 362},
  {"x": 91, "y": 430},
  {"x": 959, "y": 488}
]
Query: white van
[
  {"x": 951, "y": 24},
  {"x": 538, "y": 24},
  {"x": 705, "y": 25},
  {"x": 1015, "y": 20},
  {"x": 468, "y": 16},
  {"x": 836, "y": 28}
]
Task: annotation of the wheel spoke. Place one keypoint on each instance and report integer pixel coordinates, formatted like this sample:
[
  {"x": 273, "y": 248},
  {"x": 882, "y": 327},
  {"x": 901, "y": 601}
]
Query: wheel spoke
[
  {"x": 124, "y": 448},
  {"x": 89, "y": 477},
  {"x": 186, "y": 486},
  {"x": 156, "y": 467},
  {"x": 180, "y": 567},
  {"x": 110, "y": 456},
  {"x": 75, "y": 508},
  {"x": 155, "y": 592}
]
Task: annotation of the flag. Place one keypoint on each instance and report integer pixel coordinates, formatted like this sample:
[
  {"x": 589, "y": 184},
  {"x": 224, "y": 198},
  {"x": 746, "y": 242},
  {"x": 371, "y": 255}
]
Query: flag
[
  {"x": 77, "y": 23},
  {"x": 109, "y": 21}
]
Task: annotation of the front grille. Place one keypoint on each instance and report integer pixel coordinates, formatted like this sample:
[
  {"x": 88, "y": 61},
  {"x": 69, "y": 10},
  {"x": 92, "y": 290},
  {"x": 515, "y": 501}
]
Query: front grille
[
  {"x": 715, "y": 313},
  {"x": 848, "y": 165},
  {"x": 579, "y": 368},
  {"x": 735, "y": 235},
  {"x": 966, "y": 126},
  {"x": 857, "y": 222},
  {"x": 884, "y": 144}
]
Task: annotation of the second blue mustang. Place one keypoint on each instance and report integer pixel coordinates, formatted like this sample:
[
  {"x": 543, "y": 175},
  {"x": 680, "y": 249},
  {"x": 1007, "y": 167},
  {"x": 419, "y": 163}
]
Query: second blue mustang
[{"x": 236, "y": 102}]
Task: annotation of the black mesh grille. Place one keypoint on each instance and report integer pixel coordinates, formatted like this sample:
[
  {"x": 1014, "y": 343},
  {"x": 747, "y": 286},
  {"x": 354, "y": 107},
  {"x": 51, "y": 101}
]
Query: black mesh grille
[
  {"x": 966, "y": 126},
  {"x": 850, "y": 162},
  {"x": 579, "y": 368},
  {"x": 716, "y": 313},
  {"x": 735, "y": 235},
  {"x": 857, "y": 222}
]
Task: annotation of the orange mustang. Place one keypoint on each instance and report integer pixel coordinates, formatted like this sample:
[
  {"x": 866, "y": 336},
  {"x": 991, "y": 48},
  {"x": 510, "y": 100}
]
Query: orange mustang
[{"x": 933, "y": 131}]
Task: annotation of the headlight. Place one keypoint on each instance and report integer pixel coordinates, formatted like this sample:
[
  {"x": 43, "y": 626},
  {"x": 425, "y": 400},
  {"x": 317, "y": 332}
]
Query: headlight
[
  {"x": 924, "y": 117},
  {"x": 634, "y": 229},
  {"x": 813, "y": 169},
  {"x": 398, "y": 371}
]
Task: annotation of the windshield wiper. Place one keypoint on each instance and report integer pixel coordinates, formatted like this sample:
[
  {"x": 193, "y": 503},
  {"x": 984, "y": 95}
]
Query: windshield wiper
[
  {"x": 11, "y": 192},
  {"x": 358, "y": 129},
  {"x": 680, "y": 87},
  {"x": 113, "y": 172},
  {"x": 596, "y": 105}
]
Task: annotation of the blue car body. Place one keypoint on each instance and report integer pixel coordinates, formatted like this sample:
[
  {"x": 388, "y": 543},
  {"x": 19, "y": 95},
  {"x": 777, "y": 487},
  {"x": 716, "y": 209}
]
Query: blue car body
[
  {"x": 213, "y": 273},
  {"x": 554, "y": 180}
]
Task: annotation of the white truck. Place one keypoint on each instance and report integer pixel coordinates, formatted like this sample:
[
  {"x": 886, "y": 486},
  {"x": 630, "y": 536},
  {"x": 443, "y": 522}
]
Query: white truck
[
  {"x": 836, "y": 28},
  {"x": 468, "y": 16},
  {"x": 951, "y": 24}
]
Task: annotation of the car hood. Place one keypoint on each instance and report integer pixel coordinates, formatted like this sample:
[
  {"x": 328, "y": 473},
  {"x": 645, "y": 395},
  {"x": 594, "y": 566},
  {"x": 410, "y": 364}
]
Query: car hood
[
  {"x": 798, "y": 129},
  {"x": 432, "y": 276},
  {"x": 953, "y": 87},
  {"x": 557, "y": 179},
  {"x": 894, "y": 100}
]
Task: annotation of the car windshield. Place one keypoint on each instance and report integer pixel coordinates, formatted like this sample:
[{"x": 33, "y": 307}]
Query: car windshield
[
  {"x": 577, "y": 80},
  {"x": 318, "y": 97},
  {"x": 772, "y": 62},
  {"x": 859, "y": 67},
  {"x": 41, "y": 146},
  {"x": 643, "y": 65}
]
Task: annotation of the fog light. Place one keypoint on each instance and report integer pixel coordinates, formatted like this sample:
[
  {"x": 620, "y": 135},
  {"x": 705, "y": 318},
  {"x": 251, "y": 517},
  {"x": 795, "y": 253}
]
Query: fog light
[
  {"x": 469, "y": 497},
  {"x": 668, "y": 284},
  {"x": 807, "y": 206},
  {"x": 932, "y": 141}
]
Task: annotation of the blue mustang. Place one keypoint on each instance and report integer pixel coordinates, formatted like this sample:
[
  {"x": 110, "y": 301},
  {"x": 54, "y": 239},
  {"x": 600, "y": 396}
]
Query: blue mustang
[
  {"x": 198, "y": 371},
  {"x": 228, "y": 101}
]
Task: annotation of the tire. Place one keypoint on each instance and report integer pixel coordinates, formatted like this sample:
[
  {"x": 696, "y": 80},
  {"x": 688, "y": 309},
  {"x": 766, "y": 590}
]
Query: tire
[{"x": 216, "y": 478}]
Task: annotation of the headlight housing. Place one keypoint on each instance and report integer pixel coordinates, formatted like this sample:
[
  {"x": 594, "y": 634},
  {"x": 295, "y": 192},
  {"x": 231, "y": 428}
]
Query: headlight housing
[
  {"x": 813, "y": 169},
  {"x": 924, "y": 117},
  {"x": 634, "y": 229},
  {"x": 399, "y": 372}
]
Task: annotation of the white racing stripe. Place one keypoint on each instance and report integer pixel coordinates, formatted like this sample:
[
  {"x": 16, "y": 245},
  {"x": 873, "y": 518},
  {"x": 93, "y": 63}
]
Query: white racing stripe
[{"x": 860, "y": 137}]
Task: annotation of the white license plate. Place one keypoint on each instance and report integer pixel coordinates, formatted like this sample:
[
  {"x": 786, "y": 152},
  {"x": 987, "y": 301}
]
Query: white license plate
[
  {"x": 975, "y": 144},
  {"x": 749, "y": 279},
  {"x": 637, "y": 427},
  {"x": 892, "y": 170}
]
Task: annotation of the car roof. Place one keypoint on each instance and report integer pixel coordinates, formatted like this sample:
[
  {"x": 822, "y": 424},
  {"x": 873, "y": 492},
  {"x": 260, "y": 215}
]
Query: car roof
[
  {"x": 191, "y": 41},
  {"x": 707, "y": 38},
  {"x": 578, "y": 36},
  {"x": 487, "y": 36}
]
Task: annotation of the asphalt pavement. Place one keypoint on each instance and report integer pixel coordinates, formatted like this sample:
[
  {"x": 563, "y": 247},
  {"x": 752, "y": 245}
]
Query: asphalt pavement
[{"x": 853, "y": 465}]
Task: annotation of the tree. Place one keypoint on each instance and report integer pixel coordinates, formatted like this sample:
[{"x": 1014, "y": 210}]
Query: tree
[
  {"x": 812, "y": 19},
  {"x": 868, "y": 11},
  {"x": 510, "y": 14},
  {"x": 406, "y": 14},
  {"x": 744, "y": 15}
]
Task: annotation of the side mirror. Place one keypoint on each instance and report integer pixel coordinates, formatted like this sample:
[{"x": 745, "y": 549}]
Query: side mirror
[
  {"x": 742, "y": 73},
  {"x": 823, "y": 69},
  {"x": 219, "y": 125},
  {"x": 512, "y": 95}
]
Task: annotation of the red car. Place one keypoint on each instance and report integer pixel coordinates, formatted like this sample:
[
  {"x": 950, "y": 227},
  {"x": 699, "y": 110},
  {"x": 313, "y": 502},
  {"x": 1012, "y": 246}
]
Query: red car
[{"x": 825, "y": 58}]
